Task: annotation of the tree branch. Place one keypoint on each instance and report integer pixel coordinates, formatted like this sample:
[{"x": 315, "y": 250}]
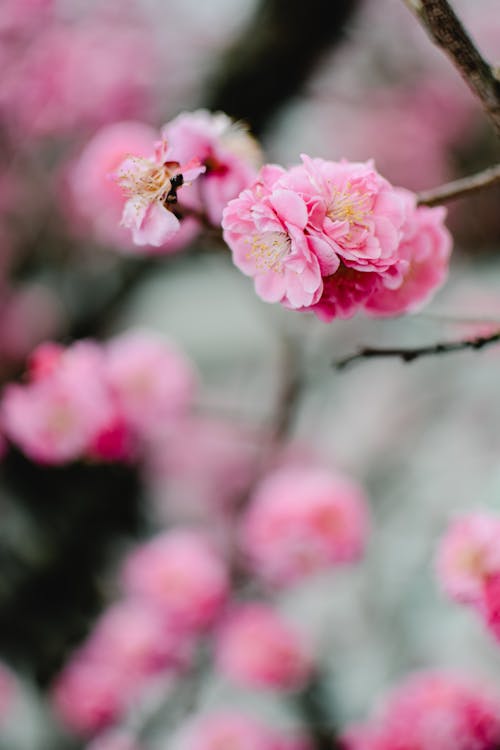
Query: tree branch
[
  {"x": 445, "y": 29},
  {"x": 408, "y": 355},
  {"x": 460, "y": 188}
]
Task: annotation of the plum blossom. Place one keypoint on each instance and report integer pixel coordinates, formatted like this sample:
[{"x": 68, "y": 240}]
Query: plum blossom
[
  {"x": 229, "y": 153},
  {"x": 468, "y": 555},
  {"x": 257, "y": 647},
  {"x": 432, "y": 711},
  {"x": 180, "y": 573},
  {"x": 336, "y": 238},
  {"x": 426, "y": 247},
  {"x": 96, "y": 199},
  {"x": 151, "y": 185},
  {"x": 152, "y": 382},
  {"x": 57, "y": 416},
  {"x": 302, "y": 520}
]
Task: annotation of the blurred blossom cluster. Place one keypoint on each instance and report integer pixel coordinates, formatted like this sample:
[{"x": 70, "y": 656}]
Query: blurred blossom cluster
[{"x": 245, "y": 536}]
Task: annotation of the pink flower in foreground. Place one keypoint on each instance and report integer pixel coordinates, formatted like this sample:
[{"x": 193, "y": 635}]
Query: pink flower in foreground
[
  {"x": 152, "y": 382},
  {"x": 229, "y": 153},
  {"x": 226, "y": 730},
  {"x": 426, "y": 247},
  {"x": 301, "y": 521},
  {"x": 257, "y": 647},
  {"x": 96, "y": 198},
  {"x": 468, "y": 555},
  {"x": 432, "y": 711},
  {"x": 180, "y": 573},
  {"x": 333, "y": 236},
  {"x": 151, "y": 185},
  {"x": 57, "y": 417}
]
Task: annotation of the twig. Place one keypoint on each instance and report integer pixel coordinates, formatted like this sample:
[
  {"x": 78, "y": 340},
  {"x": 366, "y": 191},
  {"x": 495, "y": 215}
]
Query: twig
[
  {"x": 446, "y": 30},
  {"x": 460, "y": 188},
  {"x": 408, "y": 355}
]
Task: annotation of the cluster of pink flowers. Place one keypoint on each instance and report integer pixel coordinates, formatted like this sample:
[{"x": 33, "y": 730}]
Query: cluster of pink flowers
[
  {"x": 231, "y": 729},
  {"x": 165, "y": 202},
  {"x": 100, "y": 401},
  {"x": 468, "y": 565},
  {"x": 174, "y": 586},
  {"x": 432, "y": 711},
  {"x": 336, "y": 237},
  {"x": 258, "y": 648},
  {"x": 301, "y": 521}
]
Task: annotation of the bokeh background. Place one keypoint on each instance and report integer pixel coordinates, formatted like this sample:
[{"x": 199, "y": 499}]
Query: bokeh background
[{"x": 355, "y": 79}]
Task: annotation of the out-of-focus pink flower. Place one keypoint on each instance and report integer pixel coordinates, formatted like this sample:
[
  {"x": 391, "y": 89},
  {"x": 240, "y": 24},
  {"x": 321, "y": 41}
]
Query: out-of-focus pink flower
[
  {"x": 226, "y": 729},
  {"x": 88, "y": 697},
  {"x": 16, "y": 16},
  {"x": 469, "y": 553},
  {"x": 96, "y": 197},
  {"x": 426, "y": 247},
  {"x": 57, "y": 417},
  {"x": 153, "y": 383},
  {"x": 78, "y": 76},
  {"x": 303, "y": 520},
  {"x": 180, "y": 573},
  {"x": 257, "y": 647},
  {"x": 115, "y": 739},
  {"x": 229, "y": 153},
  {"x": 137, "y": 640},
  {"x": 432, "y": 711},
  {"x": 151, "y": 185}
]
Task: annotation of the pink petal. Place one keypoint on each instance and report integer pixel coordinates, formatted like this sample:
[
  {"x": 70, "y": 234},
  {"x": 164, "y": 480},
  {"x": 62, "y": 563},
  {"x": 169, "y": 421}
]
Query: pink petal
[
  {"x": 158, "y": 226},
  {"x": 290, "y": 207}
]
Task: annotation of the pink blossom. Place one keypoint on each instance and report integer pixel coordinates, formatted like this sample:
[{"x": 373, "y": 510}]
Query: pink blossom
[
  {"x": 96, "y": 198},
  {"x": 432, "y": 711},
  {"x": 152, "y": 382},
  {"x": 322, "y": 235},
  {"x": 88, "y": 697},
  {"x": 230, "y": 154},
  {"x": 426, "y": 247},
  {"x": 303, "y": 520},
  {"x": 137, "y": 640},
  {"x": 257, "y": 647},
  {"x": 78, "y": 76},
  {"x": 265, "y": 227},
  {"x": 226, "y": 729},
  {"x": 57, "y": 417},
  {"x": 469, "y": 553},
  {"x": 151, "y": 185},
  {"x": 180, "y": 573}
]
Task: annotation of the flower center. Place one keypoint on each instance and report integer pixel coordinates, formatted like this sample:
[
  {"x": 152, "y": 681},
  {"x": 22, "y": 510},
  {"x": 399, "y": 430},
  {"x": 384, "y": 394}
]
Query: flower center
[
  {"x": 145, "y": 178},
  {"x": 350, "y": 205},
  {"x": 269, "y": 250}
]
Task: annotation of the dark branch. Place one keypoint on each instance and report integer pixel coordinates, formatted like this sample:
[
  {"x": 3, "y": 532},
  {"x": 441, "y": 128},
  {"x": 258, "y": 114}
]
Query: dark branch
[
  {"x": 460, "y": 188},
  {"x": 276, "y": 55},
  {"x": 446, "y": 30},
  {"x": 409, "y": 355}
]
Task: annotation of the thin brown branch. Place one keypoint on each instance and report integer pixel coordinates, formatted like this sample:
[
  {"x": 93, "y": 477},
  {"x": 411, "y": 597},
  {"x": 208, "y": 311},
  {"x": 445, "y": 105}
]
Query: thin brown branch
[
  {"x": 409, "y": 355},
  {"x": 446, "y": 30},
  {"x": 460, "y": 188}
]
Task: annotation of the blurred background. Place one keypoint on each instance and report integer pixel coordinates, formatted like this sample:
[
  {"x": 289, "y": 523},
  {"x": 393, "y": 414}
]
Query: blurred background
[{"x": 356, "y": 79}]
